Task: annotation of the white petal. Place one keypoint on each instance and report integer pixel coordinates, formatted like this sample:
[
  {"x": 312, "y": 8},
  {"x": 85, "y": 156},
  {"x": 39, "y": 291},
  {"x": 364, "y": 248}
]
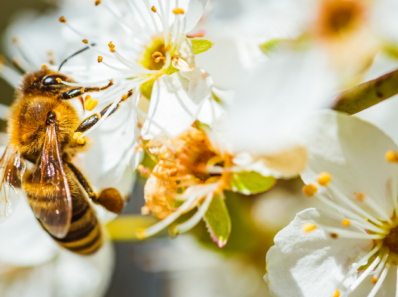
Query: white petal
[
  {"x": 311, "y": 264},
  {"x": 193, "y": 13},
  {"x": 265, "y": 114},
  {"x": 176, "y": 101},
  {"x": 24, "y": 242},
  {"x": 353, "y": 152},
  {"x": 384, "y": 19}
]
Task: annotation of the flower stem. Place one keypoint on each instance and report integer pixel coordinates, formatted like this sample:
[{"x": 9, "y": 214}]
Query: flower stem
[{"x": 367, "y": 94}]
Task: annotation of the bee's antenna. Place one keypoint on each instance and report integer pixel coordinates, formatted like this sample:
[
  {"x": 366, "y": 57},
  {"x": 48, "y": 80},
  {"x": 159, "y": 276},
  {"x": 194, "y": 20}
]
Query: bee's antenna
[{"x": 75, "y": 54}]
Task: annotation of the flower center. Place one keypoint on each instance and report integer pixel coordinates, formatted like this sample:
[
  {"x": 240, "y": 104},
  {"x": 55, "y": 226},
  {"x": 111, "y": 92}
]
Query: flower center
[
  {"x": 337, "y": 17},
  {"x": 391, "y": 240},
  {"x": 154, "y": 55}
]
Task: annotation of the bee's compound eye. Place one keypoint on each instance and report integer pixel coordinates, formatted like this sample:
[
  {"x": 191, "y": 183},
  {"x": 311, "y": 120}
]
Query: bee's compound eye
[{"x": 53, "y": 79}]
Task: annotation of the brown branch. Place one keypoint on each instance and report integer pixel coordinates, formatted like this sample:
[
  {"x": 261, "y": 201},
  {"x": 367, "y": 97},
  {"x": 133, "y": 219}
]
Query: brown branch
[{"x": 367, "y": 94}]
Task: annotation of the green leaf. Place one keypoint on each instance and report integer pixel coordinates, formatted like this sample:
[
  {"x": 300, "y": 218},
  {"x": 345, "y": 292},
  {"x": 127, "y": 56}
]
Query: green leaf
[
  {"x": 218, "y": 221},
  {"x": 201, "y": 45},
  {"x": 275, "y": 45},
  {"x": 251, "y": 182}
]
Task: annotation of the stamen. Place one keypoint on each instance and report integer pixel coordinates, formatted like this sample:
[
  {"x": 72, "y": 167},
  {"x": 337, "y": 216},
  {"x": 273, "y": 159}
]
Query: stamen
[
  {"x": 324, "y": 178},
  {"x": 158, "y": 56},
  {"x": 309, "y": 190},
  {"x": 44, "y": 66},
  {"x": 337, "y": 293},
  {"x": 97, "y": 2},
  {"x": 350, "y": 234},
  {"x": 334, "y": 235},
  {"x": 380, "y": 282},
  {"x": 90, "y": 104},
  {"x": 392, "y": 156},
  {"x": 196, "y": 217},
  {"x": 100, "y": 59},
  {"x": 153, "y": 8},
  {"x": 374, "y": 280},
  {"x": 111, "y": 47},
  {"x": 347, "y": 201},
  {"x": 364, "y": 275},
  {"x": 78, "y": 137},
  {"x": 178, "y": 11},
  {"x": 85, "y": 41},
  {"x": 360, "y": 196},
  {"x": 307, "y": 227},
  {"x": 345, "y": 222},
  {"x": 62, "y": 19}
]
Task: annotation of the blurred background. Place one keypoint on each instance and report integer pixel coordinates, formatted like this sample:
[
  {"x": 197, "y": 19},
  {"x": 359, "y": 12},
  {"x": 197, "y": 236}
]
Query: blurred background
[{"x": 192, "y": 265}]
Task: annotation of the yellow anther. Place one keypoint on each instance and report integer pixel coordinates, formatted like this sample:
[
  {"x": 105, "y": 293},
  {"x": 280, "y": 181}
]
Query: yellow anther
[
  {"x": 141, "y": 234},
  {"x": 58, "y": 80},
  {"x": 324, "y": 178},
  {"x": 97, "y": 2},
  {"x": 345, "y": 222},
  {"x": 62, "y": 19},
  {"x": 309, "y": 190},
  {"x": 374, "y": 280},
  {"x": 76, "y": 135},
  {"x": 80, "y": 140},
  {"x": 124, "y": 97},
  {"x": 90, "y": 104},
  {"x": 392, "y": 156},
  {"x": 337, "y": 293},
  {"x": 158, "y": 56},
  {"x": 44, "y": 66},
  {"x": 153, "y": 8},
  {"x": 178, "y": 11},
  {"x": 307, "y": 227},
  {"x": 100, "y": 59},
  {"x": 85, "y": 41},
  {"x": 360, "y": 196},
  {"x": 334, "y": 235}
]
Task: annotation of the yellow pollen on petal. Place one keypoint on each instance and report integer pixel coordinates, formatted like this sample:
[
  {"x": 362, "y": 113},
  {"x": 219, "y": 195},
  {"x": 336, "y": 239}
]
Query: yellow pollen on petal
[
  {"x": 374, "y": 280},
  {"x": 153, "y": 8},
  {"x": 307, "y": 227},
  {"x": 178, "y": 11},
  {"x": 62, "y": 19},
  {"x": 360, "y": 196},
  {"x": 309, "y": 190},
  {"x": 345, "y": 222},
  {"x": 392, "y": 156},
  {"x": 76, "y": 135},
  {"x": 80, "y": 140},
  {"x": 324, "y": 178},
  {"x": 90, "y": 104},
  {"x": 85, "y": 41},
  {"x": 100, "y": 59},
  {"x": 337, "y": 293}
]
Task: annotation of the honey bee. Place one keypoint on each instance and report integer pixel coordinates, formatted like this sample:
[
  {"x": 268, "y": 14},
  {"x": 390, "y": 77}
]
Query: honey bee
[{"x": 38, "y": 161}]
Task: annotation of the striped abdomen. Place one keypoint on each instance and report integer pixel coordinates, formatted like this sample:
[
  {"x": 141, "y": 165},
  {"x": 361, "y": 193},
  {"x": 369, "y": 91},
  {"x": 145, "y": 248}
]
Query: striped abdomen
[{"x": 85, "y": 235}]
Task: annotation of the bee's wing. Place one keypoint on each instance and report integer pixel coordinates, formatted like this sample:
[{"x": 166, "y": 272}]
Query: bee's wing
[
  {"x": 53, "y": 203},
  {"x": 12, "y": 169}
]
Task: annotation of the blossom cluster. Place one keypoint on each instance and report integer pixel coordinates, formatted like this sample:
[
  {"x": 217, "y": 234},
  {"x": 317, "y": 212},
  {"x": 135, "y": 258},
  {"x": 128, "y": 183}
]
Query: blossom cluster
[{"x": 209, "y": 105}]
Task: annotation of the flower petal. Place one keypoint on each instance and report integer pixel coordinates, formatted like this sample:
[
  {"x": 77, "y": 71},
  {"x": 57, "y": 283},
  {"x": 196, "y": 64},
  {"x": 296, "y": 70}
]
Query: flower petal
[
  {"x": 24, "y": 242},
  {"x": 266, "y": 111},
  {"x": 345, "y": 147},
  {"x": 311, "y": 264},
  {"x": 176, "y": 102},
  {"x": 193, "y": 13}
]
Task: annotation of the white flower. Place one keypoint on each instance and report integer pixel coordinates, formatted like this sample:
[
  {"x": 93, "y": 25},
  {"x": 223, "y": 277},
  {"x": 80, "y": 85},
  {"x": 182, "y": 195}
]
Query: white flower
[
  {"x": 351, "y": 249},
  {"x": 265, "y": 117},
  {"x": 150, "y": 54}
]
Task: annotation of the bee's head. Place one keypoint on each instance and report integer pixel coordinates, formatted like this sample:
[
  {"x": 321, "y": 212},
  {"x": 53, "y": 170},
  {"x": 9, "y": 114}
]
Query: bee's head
[{"x": 45, "y": 81}]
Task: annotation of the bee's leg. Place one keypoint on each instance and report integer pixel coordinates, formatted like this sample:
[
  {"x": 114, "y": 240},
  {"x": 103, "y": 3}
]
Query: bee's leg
[
  {"x": 109, "y": 198},
  {"x": 93, "y": 119},
  {"x": 81, "y": 90}
]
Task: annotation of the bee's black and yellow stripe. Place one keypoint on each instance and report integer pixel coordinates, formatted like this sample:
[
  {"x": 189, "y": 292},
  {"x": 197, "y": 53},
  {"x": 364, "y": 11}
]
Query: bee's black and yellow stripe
[{"x": 85, "y": 234}]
